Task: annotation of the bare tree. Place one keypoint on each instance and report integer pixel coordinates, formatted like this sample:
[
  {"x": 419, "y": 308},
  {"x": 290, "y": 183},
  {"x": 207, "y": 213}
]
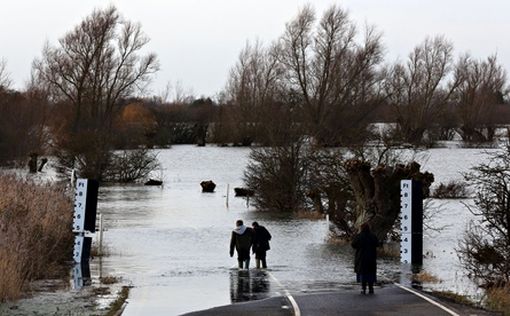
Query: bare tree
[
  {"x": 420, "y": 89},
  {"x": 253, "y": 88},
  {"x": 23, "y": 116},
  {"x": 277, "y": 175},
  {"x": 93, "y": 67},
  {"x": 334, "y": 75},
  {"x": 485, "y": 249},
  {"x": 5, "y": 80},
  {"x": 482, "y": 87}
]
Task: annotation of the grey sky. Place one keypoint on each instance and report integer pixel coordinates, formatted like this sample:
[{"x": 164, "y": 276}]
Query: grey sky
[{"x": 197, "y": 41}]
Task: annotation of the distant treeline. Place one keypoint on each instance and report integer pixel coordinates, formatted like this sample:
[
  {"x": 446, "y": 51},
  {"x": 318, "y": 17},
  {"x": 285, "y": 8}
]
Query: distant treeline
[{"x": 323, "y": 78}]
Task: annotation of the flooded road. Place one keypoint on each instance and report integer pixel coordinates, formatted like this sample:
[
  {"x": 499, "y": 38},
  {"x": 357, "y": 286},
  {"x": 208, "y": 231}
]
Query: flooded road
[{"x": 172, "y": 243}]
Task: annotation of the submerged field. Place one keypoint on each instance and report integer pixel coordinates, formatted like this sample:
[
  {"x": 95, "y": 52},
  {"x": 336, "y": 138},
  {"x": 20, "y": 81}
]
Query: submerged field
[{"x": 172, "y": 242}]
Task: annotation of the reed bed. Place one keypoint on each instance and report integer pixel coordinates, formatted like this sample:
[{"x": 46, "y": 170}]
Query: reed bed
[{"x": 35, "y": 233}]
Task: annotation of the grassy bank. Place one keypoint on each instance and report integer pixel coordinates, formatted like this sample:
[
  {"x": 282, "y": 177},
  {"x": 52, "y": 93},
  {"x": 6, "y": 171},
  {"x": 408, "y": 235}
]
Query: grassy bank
[{"x": 35, "y": 233}]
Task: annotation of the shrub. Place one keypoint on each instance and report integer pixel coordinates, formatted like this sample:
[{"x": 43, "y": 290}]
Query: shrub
[
  {"x": 130, "y": 166},
  {"x": 35, "y": 233},
  {"x": 451, "y": 190},
  {"x": 277, "y": 175},
  {"x": 485, "y": 248}
]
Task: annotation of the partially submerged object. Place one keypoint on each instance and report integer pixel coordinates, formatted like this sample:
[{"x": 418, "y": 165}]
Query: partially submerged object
[
  {"x": 208, "y": 186},
  {"x": 153, "y": 182},
  {"x": 244, "y": 192}
]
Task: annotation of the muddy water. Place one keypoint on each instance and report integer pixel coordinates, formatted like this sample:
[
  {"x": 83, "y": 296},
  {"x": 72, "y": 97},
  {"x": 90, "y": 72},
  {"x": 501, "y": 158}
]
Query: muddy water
[{"x": 172, "y": 242}]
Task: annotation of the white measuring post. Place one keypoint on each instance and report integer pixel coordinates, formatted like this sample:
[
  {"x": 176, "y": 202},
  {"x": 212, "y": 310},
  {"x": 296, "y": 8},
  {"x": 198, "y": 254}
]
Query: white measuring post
[
  {"x": 80, "y": 202},
  {"x": 84, "y": 219},
  {"x": 405, "y": 221},
  {"x": 411, "y": 222}
]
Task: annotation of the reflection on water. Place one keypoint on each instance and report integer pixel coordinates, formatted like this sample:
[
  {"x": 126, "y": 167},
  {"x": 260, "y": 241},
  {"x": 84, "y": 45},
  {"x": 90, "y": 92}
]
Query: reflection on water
[
  {"x": 248, "y": 285},
  {"x": 81, "y": 275}
]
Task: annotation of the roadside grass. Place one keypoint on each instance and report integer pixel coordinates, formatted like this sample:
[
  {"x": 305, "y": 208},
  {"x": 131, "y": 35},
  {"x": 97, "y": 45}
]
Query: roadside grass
[
  {"x": 498, "y": 299},
  {"x": 35, "y": 233},
  {"x": 454, "y": 298},
  {"x": 425, "y": 277},
  {"x": 117, "y": 305}
]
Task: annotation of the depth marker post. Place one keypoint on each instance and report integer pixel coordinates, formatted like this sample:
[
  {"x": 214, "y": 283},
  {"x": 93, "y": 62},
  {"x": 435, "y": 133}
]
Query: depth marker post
[
  {"x": 84, "y": 219},
  {"x": 411, "y": 222}
]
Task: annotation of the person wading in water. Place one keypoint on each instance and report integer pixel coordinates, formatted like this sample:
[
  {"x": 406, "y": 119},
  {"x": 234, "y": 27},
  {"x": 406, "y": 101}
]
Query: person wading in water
[
  {"x": 365, "y": 261},
  {"x": 260, "y": 244},
  {"x": 241, "y": 240}
]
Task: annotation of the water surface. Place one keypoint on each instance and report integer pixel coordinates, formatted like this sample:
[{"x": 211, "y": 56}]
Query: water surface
[{"x": 172, "y": 242}]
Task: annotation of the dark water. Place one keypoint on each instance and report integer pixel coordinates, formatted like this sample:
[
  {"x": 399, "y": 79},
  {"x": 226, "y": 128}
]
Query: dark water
[{"x": 172, "y": 242}]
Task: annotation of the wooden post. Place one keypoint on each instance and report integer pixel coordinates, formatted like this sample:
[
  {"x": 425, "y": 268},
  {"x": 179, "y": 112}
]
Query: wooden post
[
  {"x": 100, "y": 251},
  {"x": 228, "y": 190}
]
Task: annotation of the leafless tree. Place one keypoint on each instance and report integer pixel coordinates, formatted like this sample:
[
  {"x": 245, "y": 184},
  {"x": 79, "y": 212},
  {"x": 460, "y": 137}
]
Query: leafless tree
[
  {"x": 485, "y": 249},
  {"x": 334, "y": 75},
  {"x": 23, "y": 115},
  {"x": 482, "y": 86},
  {"x": 93, "y": 67},
  {"x": 253, "y": 89},
  {"x": 5, "y": 80},
  {"x": 277, "y": 175},
  {"x": 420, "y": 89}
]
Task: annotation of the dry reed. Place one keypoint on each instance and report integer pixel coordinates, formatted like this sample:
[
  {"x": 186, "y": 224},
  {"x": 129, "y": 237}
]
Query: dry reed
[
  {"x": 498, "y": 299},
  {"x": 425, "y": 277},
  {"x": 35, "y": 233}
]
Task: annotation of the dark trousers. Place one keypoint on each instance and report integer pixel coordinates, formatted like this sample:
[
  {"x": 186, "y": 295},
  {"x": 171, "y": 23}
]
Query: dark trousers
[
  {"x": 261, "y": 255},
  {"x": 367, "y": 279}
]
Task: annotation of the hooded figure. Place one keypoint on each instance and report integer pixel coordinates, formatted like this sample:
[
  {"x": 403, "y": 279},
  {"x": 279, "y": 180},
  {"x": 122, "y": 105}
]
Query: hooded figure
[
  {"x": 261, "y": 244},
  {"x": 241, "y": 240},
  {"x": 365, "y": 260}
]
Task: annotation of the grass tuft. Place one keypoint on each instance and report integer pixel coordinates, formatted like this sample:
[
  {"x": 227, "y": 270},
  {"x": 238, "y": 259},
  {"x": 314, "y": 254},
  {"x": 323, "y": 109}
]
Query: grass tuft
[
  {"x": 425, "y": 277},
  {"x": 110, "y": 279},
  {"x": 498, "y": 299}
]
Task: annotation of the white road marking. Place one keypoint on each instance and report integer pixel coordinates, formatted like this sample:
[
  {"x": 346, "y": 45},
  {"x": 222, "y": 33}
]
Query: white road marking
[
  {"x": 295, "y": 307},
  {"x": 446, "y": 309}
]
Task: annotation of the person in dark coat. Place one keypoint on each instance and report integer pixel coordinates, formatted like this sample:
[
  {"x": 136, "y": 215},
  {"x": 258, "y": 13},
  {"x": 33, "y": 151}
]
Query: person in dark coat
[
  {"x": 260, "y": 244},
  {"x": 365, "y": 261},
  {"x": 241, "y": 240}
]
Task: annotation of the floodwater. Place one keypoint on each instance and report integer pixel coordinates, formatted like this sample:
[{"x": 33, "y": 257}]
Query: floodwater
[{"x": 172, "y": 242}]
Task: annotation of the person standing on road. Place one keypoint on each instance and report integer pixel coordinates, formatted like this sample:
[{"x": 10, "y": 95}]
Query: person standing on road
[
  {"x": 260, "y": 244},
  {"x": 365, "y": 261},
  {"x": 241, "y": 240}
]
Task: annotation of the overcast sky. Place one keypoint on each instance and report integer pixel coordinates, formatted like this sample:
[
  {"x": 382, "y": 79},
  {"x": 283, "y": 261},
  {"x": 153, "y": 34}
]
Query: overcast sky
[{"x": 197, "y": 41}]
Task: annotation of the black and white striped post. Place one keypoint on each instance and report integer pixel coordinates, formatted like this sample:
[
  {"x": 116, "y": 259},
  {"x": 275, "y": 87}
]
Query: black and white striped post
[
  {"x": 411, "y": 222},
  {"x": 84, "y": 220}
]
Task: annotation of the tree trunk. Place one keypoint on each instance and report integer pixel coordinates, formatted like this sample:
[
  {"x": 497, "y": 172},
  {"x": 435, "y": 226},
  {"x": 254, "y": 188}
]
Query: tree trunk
[{"x": 377, "y": 192}]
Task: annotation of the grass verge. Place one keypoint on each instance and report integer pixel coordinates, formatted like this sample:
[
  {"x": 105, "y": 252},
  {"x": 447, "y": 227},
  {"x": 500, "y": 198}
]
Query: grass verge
[{"x": 117, "y": 305}]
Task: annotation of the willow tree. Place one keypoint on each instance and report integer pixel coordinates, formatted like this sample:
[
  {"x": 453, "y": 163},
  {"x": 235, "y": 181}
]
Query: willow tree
[
  {"x": 253, "y": 92},
  {"x": 333, "y": 71},
  {"x": 421, "y": 88},
  {"x": 91, "y": 68},
  {"x": 482, "y": 87}
]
